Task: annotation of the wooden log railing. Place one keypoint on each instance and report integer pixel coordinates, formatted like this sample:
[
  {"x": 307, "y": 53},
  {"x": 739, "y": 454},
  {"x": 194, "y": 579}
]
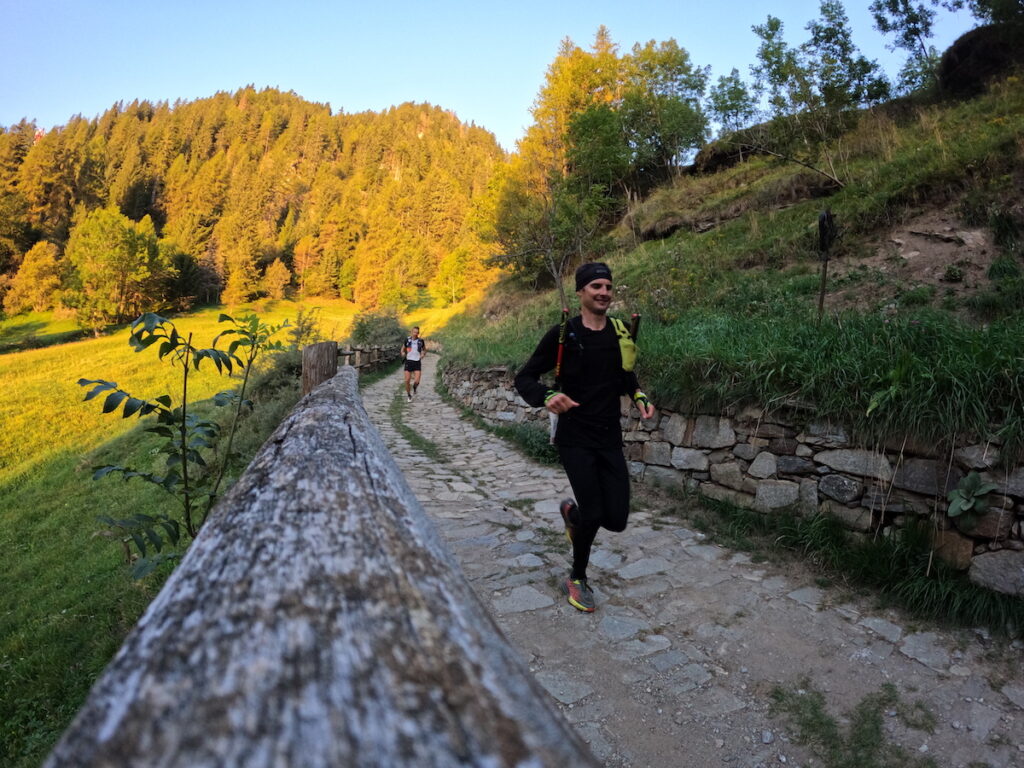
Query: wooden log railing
[
  {"x": 320, "y": 361},
  {"x": 318, "y": 620}
]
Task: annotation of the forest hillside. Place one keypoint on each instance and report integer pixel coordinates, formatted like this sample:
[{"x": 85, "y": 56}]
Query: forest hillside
[{"x": 241, "y": 195}]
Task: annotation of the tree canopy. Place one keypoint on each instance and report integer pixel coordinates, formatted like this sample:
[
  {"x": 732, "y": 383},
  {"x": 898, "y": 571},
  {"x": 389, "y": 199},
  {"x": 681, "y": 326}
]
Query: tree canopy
[{"x": 248, "y": 193}]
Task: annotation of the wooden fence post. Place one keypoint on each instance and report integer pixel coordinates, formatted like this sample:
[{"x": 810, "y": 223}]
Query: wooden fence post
[{"x": 319, "y": 363}]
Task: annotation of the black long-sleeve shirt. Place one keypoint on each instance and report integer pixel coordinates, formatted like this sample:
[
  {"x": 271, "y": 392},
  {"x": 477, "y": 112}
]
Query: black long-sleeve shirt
[{"x": 592, "y": 375}]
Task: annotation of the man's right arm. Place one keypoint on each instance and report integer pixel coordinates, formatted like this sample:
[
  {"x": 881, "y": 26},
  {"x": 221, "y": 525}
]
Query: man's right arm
[{"x": 527, "y": 381}]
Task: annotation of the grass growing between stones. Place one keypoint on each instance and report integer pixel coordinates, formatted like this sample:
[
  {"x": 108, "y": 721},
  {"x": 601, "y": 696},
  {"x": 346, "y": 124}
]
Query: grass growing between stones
[
  {"x": 398, "y": 411},
  {"x": 521, "y": 504},
  {"x": 862, "y": 743},
  {"x": 551, "y": 538},
  {"x": 901, "y": 568}
]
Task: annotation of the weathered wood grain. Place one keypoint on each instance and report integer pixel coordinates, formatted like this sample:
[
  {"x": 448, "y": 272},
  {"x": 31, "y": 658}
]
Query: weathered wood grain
[
  {"x": 319, "y": 363},
  {"x": 318, "y": 620}
]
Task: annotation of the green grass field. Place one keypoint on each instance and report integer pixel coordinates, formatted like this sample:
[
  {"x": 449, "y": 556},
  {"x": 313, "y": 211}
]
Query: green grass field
[{"x": 67, "y": 600}]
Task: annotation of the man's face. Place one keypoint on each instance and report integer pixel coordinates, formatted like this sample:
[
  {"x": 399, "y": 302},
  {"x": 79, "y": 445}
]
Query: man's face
[
  {"x": 415, "y": 333},
  {"x": 596, "y": 295}
]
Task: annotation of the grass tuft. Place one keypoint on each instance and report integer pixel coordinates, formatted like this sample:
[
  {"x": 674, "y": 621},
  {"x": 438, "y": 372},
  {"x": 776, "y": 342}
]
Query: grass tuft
[
  {"x": 862, "y": 743},
  {"x": 901, "y": 568}
]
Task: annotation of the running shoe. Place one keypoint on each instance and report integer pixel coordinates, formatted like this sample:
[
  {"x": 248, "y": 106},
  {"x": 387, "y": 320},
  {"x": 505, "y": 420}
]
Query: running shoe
[
  {"x": 580, "y": 596},
  {"x": 570, "y": 516}
]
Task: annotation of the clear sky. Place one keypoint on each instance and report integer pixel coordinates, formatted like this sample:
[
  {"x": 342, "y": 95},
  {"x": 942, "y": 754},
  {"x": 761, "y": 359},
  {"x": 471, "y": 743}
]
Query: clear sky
[{"x": 485, "y": 61}]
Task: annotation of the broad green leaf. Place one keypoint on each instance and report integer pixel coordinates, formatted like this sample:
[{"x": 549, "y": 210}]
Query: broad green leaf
[
  {"x": 154, "y": 539},
  {"x": 139, "y": 542},
  {"x": 113, "y": 400},
  {"x": 132, "y": 406},
  {"x": 103, "y": 471},
  {"x": 172, "y": 530},
  {"x": 101, "y": 386},
  {"x": 144, "y": 566},
  {"x": 223, "y": 398}
]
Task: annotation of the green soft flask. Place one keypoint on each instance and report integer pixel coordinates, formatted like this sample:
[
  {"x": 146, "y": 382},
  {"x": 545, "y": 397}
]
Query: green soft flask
[{"x": 626, "y": 345}]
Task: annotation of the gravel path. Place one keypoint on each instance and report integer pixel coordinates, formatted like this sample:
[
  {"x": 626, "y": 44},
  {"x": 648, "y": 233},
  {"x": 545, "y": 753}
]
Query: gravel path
[{"x": 677, "y": 665}]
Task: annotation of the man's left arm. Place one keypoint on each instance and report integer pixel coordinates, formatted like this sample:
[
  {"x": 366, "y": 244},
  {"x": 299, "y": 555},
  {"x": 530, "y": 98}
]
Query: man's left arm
[{"x": 631, "y": 386}]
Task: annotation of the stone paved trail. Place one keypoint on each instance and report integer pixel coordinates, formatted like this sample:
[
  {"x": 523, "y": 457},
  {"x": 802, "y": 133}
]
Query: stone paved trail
[{"x": 677, "y": 665}]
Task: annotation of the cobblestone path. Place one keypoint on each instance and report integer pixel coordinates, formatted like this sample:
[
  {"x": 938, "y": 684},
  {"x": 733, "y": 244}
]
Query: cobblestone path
[{"x": 677, "y": 665}]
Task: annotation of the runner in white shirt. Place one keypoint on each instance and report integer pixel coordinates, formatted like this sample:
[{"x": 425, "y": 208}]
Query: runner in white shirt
[{"x": 414, "y": 350}]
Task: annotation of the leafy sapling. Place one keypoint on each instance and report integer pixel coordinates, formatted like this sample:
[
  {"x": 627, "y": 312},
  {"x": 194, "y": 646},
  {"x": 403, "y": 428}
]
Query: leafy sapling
[{"x": 186, "y": 435}]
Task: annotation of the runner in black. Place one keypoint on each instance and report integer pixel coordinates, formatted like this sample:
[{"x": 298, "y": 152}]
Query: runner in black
[
  {"x": 596, "y": 371},
  {"x": 413, "y": 351}
]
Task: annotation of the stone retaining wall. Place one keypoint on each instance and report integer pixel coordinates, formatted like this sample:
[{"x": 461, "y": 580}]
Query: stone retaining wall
[{"x": 765, "y": 463}]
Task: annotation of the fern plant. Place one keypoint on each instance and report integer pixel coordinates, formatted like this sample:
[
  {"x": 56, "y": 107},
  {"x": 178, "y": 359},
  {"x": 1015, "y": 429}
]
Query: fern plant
[{"x": 186, "y": 435}]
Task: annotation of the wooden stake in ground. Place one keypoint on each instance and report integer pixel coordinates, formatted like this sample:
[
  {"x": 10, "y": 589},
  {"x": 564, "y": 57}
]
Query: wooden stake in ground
[{"x": 827, "y": 235}]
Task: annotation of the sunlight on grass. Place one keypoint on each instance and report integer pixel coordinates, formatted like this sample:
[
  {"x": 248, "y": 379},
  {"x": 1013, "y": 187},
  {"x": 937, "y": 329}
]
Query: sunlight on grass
[{"x": 43, "y": 413}]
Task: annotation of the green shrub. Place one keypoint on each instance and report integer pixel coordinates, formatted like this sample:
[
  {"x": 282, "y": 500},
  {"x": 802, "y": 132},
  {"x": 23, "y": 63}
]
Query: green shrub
[
  {"x": 1004, "y": 299},
  {"x": 953, "y": 274},
  {"x": 377, "y": 329},
  {"x": 1004, "y": 268},
  {"x": 918, "y": 296}
]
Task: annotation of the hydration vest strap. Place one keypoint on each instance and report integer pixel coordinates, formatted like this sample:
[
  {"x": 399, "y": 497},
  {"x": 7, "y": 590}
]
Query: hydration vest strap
[{"x": 627, "y": 347}]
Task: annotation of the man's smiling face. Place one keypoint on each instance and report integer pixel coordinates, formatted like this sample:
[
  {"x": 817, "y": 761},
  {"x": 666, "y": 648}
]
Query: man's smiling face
[{"x": 596, "y": 295}]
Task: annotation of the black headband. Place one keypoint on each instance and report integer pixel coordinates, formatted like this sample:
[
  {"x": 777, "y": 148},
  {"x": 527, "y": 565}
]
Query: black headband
[{"x": 591, "y": 271}]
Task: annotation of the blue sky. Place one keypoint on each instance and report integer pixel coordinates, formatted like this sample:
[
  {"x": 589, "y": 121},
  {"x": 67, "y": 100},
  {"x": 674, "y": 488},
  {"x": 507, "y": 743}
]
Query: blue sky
[{"x": 485, "y": 61}]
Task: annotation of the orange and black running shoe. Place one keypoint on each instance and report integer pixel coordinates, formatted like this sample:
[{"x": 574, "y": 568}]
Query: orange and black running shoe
[
  {"x": 571, "y": 517},
  {"x": 580, "y": 596}
]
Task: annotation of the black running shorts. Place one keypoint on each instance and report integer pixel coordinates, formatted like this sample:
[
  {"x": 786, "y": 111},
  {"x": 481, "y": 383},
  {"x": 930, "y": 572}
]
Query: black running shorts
[{"x": 412, "y": 365}]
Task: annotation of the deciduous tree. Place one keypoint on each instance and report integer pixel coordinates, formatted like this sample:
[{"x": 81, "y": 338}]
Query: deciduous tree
[
  {"x": 276, "y": 279},
  {"x": 37, "y": 283},
  {"x": 118, "y": 269}
]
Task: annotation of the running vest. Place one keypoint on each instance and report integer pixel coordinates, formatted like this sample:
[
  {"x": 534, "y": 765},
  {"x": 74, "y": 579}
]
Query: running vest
[
  {"x": 415, "y": 347},
  {"x": 627, "y": 347}
]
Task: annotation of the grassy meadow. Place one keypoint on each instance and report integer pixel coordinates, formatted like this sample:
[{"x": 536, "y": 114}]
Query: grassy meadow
[{"x": 67, "y": 600}]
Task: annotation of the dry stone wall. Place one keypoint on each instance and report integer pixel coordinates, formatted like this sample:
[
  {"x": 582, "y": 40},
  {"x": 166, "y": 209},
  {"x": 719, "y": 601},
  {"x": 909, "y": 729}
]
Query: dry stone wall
[{"x": 769, "y": 463}]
